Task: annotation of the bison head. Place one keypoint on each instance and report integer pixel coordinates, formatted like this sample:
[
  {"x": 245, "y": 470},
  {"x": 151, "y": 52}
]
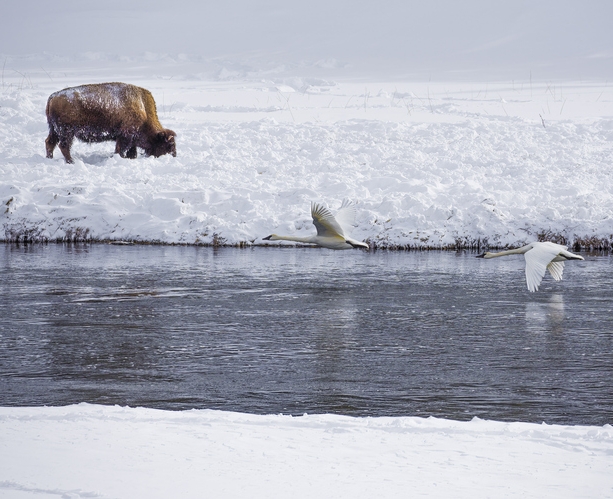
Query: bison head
[{"x": 163, "y": 143}]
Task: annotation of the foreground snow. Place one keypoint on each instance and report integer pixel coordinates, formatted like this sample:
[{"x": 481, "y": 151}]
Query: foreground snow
[{"x": 98, "y": 451}]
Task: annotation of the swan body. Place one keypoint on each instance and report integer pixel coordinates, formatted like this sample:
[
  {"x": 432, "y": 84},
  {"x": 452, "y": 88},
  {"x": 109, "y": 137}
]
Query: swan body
[
  {"x": 332, "y": 231},
  {"x": 540, "y": 257}
]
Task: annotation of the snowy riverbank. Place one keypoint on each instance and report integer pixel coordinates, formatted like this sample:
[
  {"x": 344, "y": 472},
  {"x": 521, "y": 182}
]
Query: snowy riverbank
[
  {"x": 430, "y": 165},
  {"x": 96, "y": 451}
]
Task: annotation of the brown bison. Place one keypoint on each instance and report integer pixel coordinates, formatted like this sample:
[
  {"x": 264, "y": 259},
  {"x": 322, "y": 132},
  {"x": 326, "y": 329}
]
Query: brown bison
[{"x": 107, "y": 111}]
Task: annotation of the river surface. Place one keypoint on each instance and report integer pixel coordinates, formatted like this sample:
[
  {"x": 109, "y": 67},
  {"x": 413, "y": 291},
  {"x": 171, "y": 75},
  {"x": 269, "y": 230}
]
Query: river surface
[{"x": 301, "y": 330}]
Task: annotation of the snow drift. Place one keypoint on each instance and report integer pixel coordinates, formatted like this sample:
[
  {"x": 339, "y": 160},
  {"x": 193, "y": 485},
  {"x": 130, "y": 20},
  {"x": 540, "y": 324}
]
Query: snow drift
[
  {"x": 96, "y": 451},
  {"x": 429, "y": 165}
]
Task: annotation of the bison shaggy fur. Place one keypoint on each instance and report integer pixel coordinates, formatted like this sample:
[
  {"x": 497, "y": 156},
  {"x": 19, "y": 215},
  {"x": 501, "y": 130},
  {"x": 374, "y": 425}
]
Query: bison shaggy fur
[{"x": 107, "y": 111}]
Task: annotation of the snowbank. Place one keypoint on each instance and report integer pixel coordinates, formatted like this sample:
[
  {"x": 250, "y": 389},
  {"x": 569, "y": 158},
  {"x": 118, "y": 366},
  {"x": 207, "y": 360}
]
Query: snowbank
[
  {"x": 429, "y": 165},
  {"x": 96, "y": 451}
]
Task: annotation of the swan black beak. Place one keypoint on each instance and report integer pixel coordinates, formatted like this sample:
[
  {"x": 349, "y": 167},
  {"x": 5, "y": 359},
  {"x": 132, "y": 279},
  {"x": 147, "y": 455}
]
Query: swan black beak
[
  {"x": 482, "y": 255},
  {"x": 267, "y": 238}
]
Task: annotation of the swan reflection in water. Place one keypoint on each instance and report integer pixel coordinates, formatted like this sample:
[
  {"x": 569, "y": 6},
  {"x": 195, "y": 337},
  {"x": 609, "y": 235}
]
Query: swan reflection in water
[{"x": 550, "y": 313}]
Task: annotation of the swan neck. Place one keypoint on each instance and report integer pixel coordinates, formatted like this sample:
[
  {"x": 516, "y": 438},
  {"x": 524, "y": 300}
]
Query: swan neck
[
  {"x": 295, "y": 239},
  {"x": 517, "y": 251}
]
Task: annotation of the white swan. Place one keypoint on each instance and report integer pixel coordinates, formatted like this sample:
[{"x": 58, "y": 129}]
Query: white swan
[
  {"x": 540, "y": 257},
  {"x": 332, "y": 232}
]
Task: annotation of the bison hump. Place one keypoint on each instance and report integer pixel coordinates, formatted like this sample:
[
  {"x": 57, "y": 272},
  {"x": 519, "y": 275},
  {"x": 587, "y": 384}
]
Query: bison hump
[{"x": 111, "y": 99}]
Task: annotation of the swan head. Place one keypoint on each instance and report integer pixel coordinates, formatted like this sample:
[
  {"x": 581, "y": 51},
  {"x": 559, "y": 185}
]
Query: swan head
[
  {"x": 487, "y": 254},
  {"x": 267, "y": 238}
]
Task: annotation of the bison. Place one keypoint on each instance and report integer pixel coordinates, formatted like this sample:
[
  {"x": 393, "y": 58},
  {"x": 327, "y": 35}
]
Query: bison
[{"x": 107, "y": 111}]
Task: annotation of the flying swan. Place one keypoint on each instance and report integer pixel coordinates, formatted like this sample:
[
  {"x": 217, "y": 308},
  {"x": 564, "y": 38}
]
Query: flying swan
[
  {"x": 540, "y": 257},
  {"x": 332, "y": 231}
]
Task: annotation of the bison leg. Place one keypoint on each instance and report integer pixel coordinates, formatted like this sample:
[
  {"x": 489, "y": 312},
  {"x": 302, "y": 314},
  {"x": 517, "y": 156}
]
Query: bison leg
[
  {"x": 125, "y": 148},
  {"x": 51, "y": 141},
  {"x": 65, "y": 144}
]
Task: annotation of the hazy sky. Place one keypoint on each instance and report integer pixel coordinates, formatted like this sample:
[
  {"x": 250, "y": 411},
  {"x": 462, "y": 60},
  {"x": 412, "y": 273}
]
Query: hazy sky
[{"x": 448, "y": 34}]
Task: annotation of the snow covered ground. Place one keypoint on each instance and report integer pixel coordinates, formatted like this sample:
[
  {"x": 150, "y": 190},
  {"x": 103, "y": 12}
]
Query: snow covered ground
[
  {"x": 113, "y": 452},
  {"x": 429, "y": 164},
  {"x": 449, "y": 123}
]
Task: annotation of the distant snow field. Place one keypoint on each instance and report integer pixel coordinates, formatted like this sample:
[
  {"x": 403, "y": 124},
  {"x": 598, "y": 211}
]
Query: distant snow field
[{"x": 429, "y": 164}]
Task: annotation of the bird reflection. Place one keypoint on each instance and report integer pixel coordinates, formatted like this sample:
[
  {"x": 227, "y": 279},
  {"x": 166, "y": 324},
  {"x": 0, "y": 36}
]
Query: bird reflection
[
  {"x": 550, "y": 314},
  {"x": 335, "y": 353},
  {"x": 335, "y": 330}
]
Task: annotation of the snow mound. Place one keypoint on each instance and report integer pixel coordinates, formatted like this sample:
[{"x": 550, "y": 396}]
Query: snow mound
[
  {"x": 72, "y": 451},
  {"x": 430, "y": 165}
]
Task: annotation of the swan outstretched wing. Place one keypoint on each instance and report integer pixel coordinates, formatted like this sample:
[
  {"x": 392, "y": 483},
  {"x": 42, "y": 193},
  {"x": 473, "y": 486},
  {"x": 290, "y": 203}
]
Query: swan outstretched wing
[
  {"x": 345, "y": 216},
  {"x": 538, "y": 260},
  {"x": 556, "y": 269},
  {"x": 324, "y": 222}
]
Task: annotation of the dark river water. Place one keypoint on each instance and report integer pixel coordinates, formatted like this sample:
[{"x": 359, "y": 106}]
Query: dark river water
[{"x": 300, "y": 330}]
